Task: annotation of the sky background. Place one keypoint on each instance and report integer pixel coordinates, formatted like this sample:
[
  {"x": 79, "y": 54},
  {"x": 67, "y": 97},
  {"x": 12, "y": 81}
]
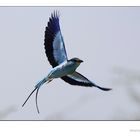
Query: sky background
[{"x": 106, "y": 38}]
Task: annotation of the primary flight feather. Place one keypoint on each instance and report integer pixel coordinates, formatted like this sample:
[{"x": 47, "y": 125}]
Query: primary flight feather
[{"x": 57, "y": 57}]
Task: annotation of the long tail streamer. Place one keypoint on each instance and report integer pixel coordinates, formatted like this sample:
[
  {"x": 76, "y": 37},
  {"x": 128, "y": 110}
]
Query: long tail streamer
[{"x": 36, "y": 88}]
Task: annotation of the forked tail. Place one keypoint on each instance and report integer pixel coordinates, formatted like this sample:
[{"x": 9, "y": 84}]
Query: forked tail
[{"x": 37, "y": 87}]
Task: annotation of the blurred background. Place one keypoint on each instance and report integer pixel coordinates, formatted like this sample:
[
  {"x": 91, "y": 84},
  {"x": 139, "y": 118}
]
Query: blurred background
[{"x": 106, "y": 38}]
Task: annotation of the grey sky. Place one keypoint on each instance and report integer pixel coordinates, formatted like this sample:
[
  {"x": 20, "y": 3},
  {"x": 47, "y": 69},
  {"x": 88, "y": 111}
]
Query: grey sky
[{"x": 104, "y": 37}]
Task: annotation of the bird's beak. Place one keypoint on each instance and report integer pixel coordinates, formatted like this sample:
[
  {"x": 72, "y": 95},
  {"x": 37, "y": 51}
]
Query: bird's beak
[{"x": 81, "y": 61}]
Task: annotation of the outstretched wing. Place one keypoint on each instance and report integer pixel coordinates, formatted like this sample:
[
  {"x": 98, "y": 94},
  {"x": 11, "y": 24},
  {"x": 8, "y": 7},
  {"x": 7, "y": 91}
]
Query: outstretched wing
[
  {"x": 79, "y": 80},
  {"x": 54, "y": 44}
]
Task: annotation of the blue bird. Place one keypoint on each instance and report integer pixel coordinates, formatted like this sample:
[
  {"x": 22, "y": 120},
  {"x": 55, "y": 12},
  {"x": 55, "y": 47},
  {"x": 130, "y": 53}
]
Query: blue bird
[{"x": 57, "y": 56}]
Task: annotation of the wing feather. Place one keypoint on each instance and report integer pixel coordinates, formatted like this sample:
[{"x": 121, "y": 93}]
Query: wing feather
[
  {"x": 79, "y": 80},
  {"x": 54, "y": 44}
]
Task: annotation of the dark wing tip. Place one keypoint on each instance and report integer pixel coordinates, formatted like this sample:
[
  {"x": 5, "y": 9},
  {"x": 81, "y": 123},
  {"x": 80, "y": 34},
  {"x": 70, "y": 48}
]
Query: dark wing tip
[
  {"x": 53, "y": 23},
  {"x": 82, "y": 83},
  {"x": 105, "y": 89},
  {"x": 75, "y": 82},
  {"x": 50, "y": 32},
  {"x": 55, "y": 14}
]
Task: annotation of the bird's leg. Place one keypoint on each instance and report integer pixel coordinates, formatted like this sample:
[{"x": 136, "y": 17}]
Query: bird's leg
[{"x": 49, "y": 81}]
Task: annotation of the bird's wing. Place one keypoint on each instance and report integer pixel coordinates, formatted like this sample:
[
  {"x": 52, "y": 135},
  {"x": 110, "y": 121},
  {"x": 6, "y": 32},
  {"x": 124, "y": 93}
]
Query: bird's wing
[
  {"x": 79, "y": 80},
  {"x": 54, "y": 44}
]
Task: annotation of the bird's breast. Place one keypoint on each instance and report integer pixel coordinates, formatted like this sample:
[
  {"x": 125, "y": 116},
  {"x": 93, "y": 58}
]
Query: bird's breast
[{"x": 62, "y": 70}]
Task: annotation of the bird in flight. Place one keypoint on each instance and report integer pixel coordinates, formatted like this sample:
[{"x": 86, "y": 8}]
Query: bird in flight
[{"x": 63, "y": 67}]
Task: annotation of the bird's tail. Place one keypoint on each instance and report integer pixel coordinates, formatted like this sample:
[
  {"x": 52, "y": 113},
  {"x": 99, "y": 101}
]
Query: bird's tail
[
  {"x": 40, "y": 83},
  {"x": 37, "y": 87}
]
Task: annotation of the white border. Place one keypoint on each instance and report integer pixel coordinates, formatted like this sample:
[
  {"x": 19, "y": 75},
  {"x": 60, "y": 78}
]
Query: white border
[
  {"x": 69, "y": 2},
  {"x": 70, "y": 130}
]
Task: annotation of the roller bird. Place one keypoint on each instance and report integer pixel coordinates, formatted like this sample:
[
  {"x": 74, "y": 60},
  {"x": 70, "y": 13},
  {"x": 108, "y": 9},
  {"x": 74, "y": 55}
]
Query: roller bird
[{"x": 62, "y": 67}]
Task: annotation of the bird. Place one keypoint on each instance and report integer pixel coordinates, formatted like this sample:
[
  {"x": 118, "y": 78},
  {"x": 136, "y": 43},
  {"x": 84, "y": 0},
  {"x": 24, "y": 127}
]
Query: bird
[{"x": 62, "y": 67}]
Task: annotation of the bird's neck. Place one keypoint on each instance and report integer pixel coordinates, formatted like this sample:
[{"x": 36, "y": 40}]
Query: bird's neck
[{"x": 74, "y": 66}]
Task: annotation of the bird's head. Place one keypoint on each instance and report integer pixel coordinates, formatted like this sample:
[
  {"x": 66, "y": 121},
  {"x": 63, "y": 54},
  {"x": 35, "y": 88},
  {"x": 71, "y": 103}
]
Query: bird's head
[{"x": 76, "y": 60}]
